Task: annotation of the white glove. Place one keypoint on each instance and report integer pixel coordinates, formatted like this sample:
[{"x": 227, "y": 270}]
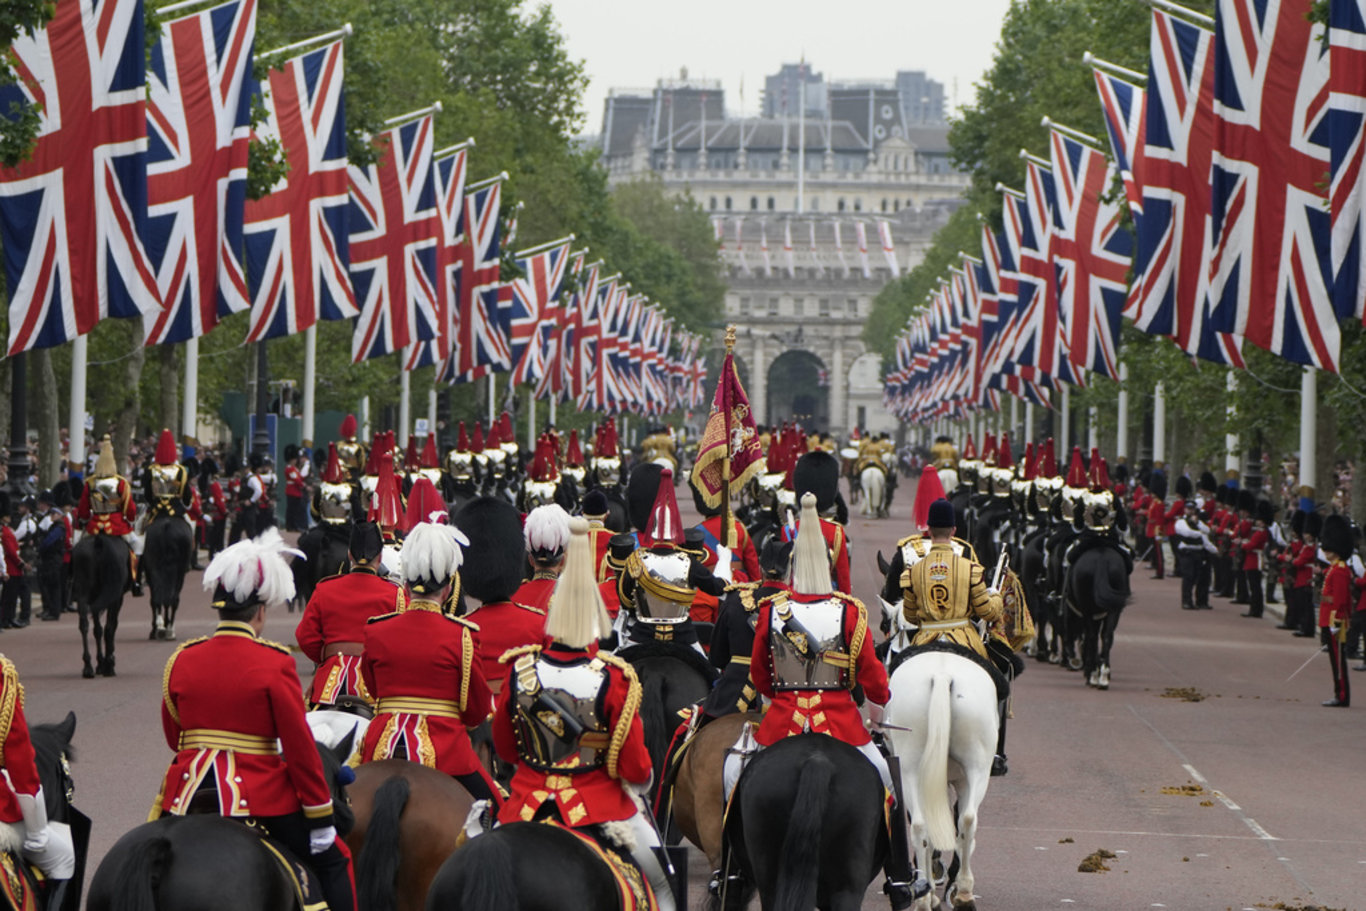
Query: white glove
[
  {"x": 994, "y": 592},
  {"x": 722, "y": 570},
  {"x": 319, "y": 840},
  {"x": 875, "y": 714},
  {"x": 34, "y": 809}
]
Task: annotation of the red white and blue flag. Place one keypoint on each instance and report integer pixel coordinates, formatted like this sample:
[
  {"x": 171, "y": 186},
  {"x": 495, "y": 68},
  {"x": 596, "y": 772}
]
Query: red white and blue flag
[
  {"x": 1347, "y": 141},
  {"x": 480, "y": 343},
  {"x": 1124, "y": 105},
  {"x": 1040, "y": 350},
  {"x": 395, "y": 231},
  {"x": 72, "y": 217},
  {"x": 198, "y": 127},
  {"x": 449, "y": 173},
  {"x": 532, "y": 316},
  {"x": 1271, "y": 266},
  {"x": 559, "y": 337},
  {"x": 297, "y": 246}
]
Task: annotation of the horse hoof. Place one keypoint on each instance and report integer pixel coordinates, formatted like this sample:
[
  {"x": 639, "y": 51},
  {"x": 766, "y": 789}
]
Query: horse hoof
[
  {"x": 88, "y": 672},
  {"x": 1074, "y": 664},
  {"x": 151, "y": 637},
  {"x": 170, "y": 634}
]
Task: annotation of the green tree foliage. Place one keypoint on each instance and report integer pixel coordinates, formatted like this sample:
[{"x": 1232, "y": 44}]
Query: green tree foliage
[{"x": 19, "y": 124}]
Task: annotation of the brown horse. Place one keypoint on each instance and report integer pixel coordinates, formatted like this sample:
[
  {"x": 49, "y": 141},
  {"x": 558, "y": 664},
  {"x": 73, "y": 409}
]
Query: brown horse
[
  {"x": 408, "y": 818},
  {"x": 698, "y": 803}
]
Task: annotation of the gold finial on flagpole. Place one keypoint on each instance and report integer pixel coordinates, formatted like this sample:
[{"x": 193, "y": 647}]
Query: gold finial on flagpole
[{"x": 730, "y": 338}]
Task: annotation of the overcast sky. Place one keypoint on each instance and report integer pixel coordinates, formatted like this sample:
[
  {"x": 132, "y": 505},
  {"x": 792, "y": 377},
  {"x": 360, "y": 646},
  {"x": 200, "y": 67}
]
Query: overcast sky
[{"x": 633, "y": 44}]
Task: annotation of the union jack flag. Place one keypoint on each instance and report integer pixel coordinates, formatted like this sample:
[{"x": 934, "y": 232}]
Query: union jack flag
[
  {"x": 72, "y": 217},
  {"x": 1174, "y": 239},
  {"x": 590, "y": 341},
  {"x": 480, "y": 343},
  {"x": 198, "y": 125},
  {"x": 1272, "y": 265},
  {"x": 558, "y": 338},
  {"x": 1092, "y": 252},
  {"x": 1347, "y": 137},
  {"x": 1124, "y": 106},
  {"x": 532, "y": 317},
  {"x": 1040, "y": 349},
  {"x": 449, "y": 174},
  {"x": 297, "y": 247},
  {"x": 395, "y": 232}
]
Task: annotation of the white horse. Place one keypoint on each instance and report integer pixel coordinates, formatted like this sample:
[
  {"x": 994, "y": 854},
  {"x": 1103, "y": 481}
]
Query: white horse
[
  {"x": 941, "y": 724},
  {"x": 873, "y": 481}
]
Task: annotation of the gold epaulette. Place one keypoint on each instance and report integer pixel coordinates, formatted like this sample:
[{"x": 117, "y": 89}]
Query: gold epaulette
[
  {"x": 166, "y": 675},
  {"x": 620, "y": 665},
  {"x": 388, "y": 616},
  {"x": 271, "y": 643},
  {"x": 780, "y": 597},
  {"x": 513, "y": 654},
  {"x": 908, "y": 539},
  {"x": 468, "y": 624},
  {"x": 534, "y": 610},
  {"x": 13, "y": 695},
  {"x": 737, "y": 586}
]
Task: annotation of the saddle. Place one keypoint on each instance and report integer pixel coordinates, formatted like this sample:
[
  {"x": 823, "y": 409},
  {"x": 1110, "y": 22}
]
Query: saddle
[
  {"x": 19, "y": 883},
  {"x": 953, "y": 648},
  {"x": 632, "y": 887}
]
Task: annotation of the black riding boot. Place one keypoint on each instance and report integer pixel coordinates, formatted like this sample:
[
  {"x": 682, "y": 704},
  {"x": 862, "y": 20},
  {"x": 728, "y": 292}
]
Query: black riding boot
[
  {"x": 904, "y": 885},
  {"x": 999, "y": 766}
]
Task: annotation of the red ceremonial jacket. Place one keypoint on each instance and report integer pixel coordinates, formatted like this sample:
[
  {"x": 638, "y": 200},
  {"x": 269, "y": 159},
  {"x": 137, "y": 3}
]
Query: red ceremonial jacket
[
  {"x": 227, "y": 699},
  {"x": 830, "y": 712},
  {"x": 601, "y": 538},
  {"x": 421, "y": 666},
  {"x": 1304, "y": 562},
  {"x": 533, "y": 593},
  {"x": 294, "y": 481},
  {"x": 18, "y": 761},
  {"x": 334, "y": 622},
  {"x": 14, "y": 564},
  {"x": 218, "y": 505},
  {"x": 590, "y": 797},
  {"x": 1335, "y": 604},
  {"x": 110, "y": 523},
  {"x": 1253, "y": 545},
  {"x": 505, "y": 625},
  {"x": 837, "y": 545},
  {"x": 1168, "y": 518}
]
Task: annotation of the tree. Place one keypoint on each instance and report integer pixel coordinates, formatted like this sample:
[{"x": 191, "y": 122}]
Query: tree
[{"x": 19, "y": 124}]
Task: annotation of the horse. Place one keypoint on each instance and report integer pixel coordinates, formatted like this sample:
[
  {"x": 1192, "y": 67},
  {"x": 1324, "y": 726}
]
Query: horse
[
  {"x": 52, "y": 756},
  {"x": 672, "y": 678},
  {"x": 873, "y": 480},
  {"x": 165, "y": 560},
  {"x": 1097, "y": 590},
  {"x": 805, "y": 828},
  {"x": 941, "y": 726},
  {"x": 1042, "y": 603},
  {"x": 698, "y": 799},
  {"x": 179, "y": 861},
  {"x": 408, "y": 821},
  {"x": 99, "y": 574},
  {"x": 524, "y": 866}
]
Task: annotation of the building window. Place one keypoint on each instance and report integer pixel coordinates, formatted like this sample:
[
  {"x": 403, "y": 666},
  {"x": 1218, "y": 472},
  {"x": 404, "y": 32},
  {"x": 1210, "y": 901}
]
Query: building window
[
  {"x": 744, "y": 306},
  {"x": 771, "y": 204},
  {"x": 772, "y": 306},
  {"x": 713, "y": 203},
  {"x": 858, "y": 205},
  {"x": 727, "y": 203},
  {"x": 824, "y": 306},
  {"x": 815, "y": 204},
  {"x": 754, "y": 204},
  {"x": 884, "y": 205},
  {"x": 853, "y": 306},
  {"x": 896, "y": 205},
  {"x": 840, "y": 204},
  {"x": 799, "y": 306}
]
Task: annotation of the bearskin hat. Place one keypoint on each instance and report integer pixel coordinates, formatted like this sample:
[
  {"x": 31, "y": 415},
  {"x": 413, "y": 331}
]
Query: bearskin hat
[
  {"x": 1157, "y": 484},
  {"x": 641, "y": 489},
  {"x": 365, "y": 544},
  {"x": 1313, "y": 524},
  {"x": 1207, "y": 481},
  {"x": 255, "y": 461},
  {"x": 61, "y": 495},
  {"x": 1297, "y": 521},
  {"x": 291, "y": 452},
  {"x": 1265, "y": 513},
  {"x": 817, "y": 472},
  {"x": 496, "y": 555},
  {"x": 594, "y": 504},
  {"x": 1120, "y": 473},
  {"x": 1336, "y": 537},
  {"x": 700, "y": 502},
  {"x": 4, "y": 505},
  {"x": 1247, "y": 502},
  {"x": 1183, "y": 487}
]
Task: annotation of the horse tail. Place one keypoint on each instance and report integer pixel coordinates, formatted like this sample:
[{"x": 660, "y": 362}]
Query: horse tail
[
  {"x": 489, "y": 882},
  {"x": 1109, "y": 584},
  {"x": 933, "y": 780},
  {"x": 377, "y": 865},
  {"x": 658, "y": 733},
  {"x": 800, "y": 861},
  {"x": 139, "y": 874}
]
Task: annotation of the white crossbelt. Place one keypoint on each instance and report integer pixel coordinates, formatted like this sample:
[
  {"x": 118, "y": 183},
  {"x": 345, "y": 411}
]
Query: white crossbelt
[{"x": 945, "y": 624}]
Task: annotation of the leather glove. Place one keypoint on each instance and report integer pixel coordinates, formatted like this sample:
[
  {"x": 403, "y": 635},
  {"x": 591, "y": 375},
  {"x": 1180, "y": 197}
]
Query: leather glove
[{"x": 319, "y": 840}]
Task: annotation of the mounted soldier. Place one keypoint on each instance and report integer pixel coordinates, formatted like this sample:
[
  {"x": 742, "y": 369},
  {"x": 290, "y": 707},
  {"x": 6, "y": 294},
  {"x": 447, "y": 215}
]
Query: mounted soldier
[
  {"x": 818, "y": 473},
  {"x": 460, "y": 475},
  {"x": 106, "y": 508},
  {"x": 353, "y": 454},
  {"x": 547, "y": 535},
  {"x": 166, "y": 487}
]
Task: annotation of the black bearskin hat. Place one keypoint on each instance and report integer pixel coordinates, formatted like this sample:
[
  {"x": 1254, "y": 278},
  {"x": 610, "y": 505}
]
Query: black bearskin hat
[
  {"x": 232, "y": 464},
  {"x": 255, "y": 461},
  {"x": 1120, "y": 473},
  {"x": 1297, "y": 521},
  {"x": 1183, "y": 487},
  {"x": 1337, "y": 536},
  {"x": 61, "y": 495},
  {"x": 496, "y": 556},
  {"x": 365, "y": 544},
  {"x": 594, "y": 504},
  {"x": 817, "y": 472},
  {"x": 641, "y": 490},
  {"x": 1264, "y": 512},
  {"x": 1157, "y": 483},
  {"x": 1207, "y": 481},
  {"x": 1246, "y": 501},
  {"x": 4, "y": 505},
  {"x": 291, "y": 452},
  {"x": 1313, "y": 524}
]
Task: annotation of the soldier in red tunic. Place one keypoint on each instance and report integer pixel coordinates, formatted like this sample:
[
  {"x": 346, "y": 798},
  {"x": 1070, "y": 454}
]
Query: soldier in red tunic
[
  {"x": 1335, "y": 605},
  {"x": 567, "y": 715},
  {"x": 420, "y": 664},
  {"x": 107, "y": 508},
  {"x": 493, "y": 571},
  {"x": 599, "y": 535},
  {"x": 547, "y": 536},
  {"x": 231, "y": 711},
  {"x": 818, "y": 473},
  {"x": 331, "y": 632}
]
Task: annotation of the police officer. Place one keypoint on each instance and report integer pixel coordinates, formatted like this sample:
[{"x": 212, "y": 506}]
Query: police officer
[{"x": 1193, "y": 548}]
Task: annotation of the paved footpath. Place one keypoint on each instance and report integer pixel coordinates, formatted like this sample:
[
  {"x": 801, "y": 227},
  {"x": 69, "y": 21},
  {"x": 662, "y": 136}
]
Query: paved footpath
[{"x": 1249, "y": 797}]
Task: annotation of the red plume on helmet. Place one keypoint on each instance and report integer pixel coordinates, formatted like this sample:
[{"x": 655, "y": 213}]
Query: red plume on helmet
[
  {"x": 1100, "y": 472},
  {"x": 1048, "y": 463},
  {"x": 387, "y": 508},
  {"x": 969, "y": 449},
  {"x": 372, "y": 458},
  {"x": 462, "y": 439},
  {"x": 166, "y": 449},
  {"x": 348, "y": 427},
  {"x": 505, "y": 433},
  {"x": 429, "y": 456},
  {"x": 666, "y": 525},
  {"x": 543, "y": 464},
  {"x": 573, "y": 456},
  {"x": 333, "y": 473},
  {"x": 1027, "y": 467},
  {"x": 989, "y": 448},
  {"x": 410, "y": 454},
  {"x": 777, "y": 453},
  {"x": 926, "y": 492},
  {"x": 477, "y": 443},
  {"x": 423, "y": 500},
  {"x": 606, "y": 445},
  {"x": 494, "y": 439},
  {"x": 1004, "y": 457},
  {"x": 1076, "y": 472}
]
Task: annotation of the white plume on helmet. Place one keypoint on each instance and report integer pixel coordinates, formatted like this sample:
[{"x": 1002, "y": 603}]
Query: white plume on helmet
[
  {"x": 576, "y": 615},
  {"x": 432, "y": 552},
  {"x": 255, "y": 567},
  {"x": 547, "y": 531},
  {"x": 810, "y": 559}
]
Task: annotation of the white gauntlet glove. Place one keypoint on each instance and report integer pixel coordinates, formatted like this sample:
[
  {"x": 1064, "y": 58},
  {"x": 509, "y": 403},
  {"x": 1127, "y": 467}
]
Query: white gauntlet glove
[
  {"x": 46, "y": 846},
  {"x": 319, "y": 840}
]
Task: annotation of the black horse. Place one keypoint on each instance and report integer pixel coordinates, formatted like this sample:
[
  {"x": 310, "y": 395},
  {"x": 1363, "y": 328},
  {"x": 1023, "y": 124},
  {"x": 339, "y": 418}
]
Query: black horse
[
  {"x": 165, "y": 560},
  {"x": 806, "y": 827},
  {"x": 99, "y": 575},
  {"x": 1097, "y": 590},
  {"x": 52, "y": 756},
  {"x": 181, "y": 861},
  {"x": 524, "y": 866}
]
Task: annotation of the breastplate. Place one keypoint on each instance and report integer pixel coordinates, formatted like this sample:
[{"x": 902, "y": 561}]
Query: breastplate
[
  {"x": 351, "y": 454},
  {"x": 334, "y": 503},
  {"x": 538, "y": 493},
  {"x": 1098, "y": 512},
  {"x": 574, "y": 471},
  {"x": 167, "y": 480},
  {"x": 559, "y": 720},
  {"x": 460, "y": 465},
  {"x": 496, "y": 459},
  {"x": 809, "y": 651},
  {"x": 104, "y": 496},
  {"x": 663, "y": 593},
  {"x": 608, "y": 470}
]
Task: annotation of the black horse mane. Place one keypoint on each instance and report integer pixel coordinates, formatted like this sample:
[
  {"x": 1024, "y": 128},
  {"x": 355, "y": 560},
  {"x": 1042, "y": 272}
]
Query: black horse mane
[
  {"x": 51, "y": 744},
  {"x": 685, "y": 653}
]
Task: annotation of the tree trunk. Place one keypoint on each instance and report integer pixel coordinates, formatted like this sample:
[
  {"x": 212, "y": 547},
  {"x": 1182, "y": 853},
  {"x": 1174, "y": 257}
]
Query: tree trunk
[
  {"x": 168, "y": 371},
  {"x": 6, "y": 375},
  {"x": 130, "y": 403},
  {"x": 43, "y": 383},
  {"x": 1327, "y": 446}
]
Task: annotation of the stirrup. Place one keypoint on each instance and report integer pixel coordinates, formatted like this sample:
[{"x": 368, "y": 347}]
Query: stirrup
[
  {"x": 714, "y": 885},
  {"x": 901, "y": 894}
]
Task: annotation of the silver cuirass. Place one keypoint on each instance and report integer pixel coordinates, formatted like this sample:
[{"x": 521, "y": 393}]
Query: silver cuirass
[
  {"x": 558, "y": 718},
  {"x": 809, "y": 649}
]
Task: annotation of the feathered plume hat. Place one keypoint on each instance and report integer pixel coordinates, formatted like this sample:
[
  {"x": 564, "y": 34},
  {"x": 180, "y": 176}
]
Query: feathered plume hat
[{"x": 252, "y": 572}]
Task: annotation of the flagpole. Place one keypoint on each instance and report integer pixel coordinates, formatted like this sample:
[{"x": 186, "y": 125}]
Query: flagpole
[
  {"x": 493, "y": 383},
  {"x": 431, "y": 410},
  {"x": 405, "y": 405},
  {"x": 727, "y": 524},
  {"x": 1029, "y": 422},
  {"x": 343, "y": 32},
  {"x": 310, "y": 384},
  {"x": 189, "y": 412},
  {"x": 554, "y": 400},
  {"x": 76, "y": 418},
  {"x": 531, "y": 420},
  {"x": 1309, "y": 428},
  {"x": 1122, "y": 414},
  {"x": 1064, "y": 424},
  {"x": 1160, "y": 425},
  {"x": 1232, "y": 460}
]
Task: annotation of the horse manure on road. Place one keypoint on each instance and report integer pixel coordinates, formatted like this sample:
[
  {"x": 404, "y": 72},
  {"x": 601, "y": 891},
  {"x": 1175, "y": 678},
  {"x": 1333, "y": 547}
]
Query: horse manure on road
[
  {"x": 1067, "y": 841},
  {"x": 1282, "y": 906},
  {"x": 1184, "y": 790},
  {"x": 1184, "y": 693},
  {"x": 1095, "y": 861}
]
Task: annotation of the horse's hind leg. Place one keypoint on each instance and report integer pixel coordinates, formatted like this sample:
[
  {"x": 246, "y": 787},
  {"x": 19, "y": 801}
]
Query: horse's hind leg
[
  {"x": 87, "y": 670},
  {"x": 111, "y": 625},
  {"x": 970, "y": 794}
]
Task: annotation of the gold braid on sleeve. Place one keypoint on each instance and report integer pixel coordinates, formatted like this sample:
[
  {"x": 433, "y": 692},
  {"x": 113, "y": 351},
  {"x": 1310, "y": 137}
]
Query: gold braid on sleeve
[
  {"x": 13, "y": 695},
  {"x": 856, "y": 644},
  {"x": 628, "y": 713},
  {"x": 466, "y": 660}
]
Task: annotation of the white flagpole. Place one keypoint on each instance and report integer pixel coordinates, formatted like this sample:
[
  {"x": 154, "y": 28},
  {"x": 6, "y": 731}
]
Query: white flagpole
[
  {"x": 1232, "y": 457},
  {"x": 493, "y": 383},
  {"x": 310, "y": 384},
  {"x": 1029, "y": 422},
  {"x": 189, "y": 408},
  {"x": 431, "y": 411},
  {"x": 1309, "y": 428},
  {"x": 76, "y": 418},
  {"x": 1160, "y": 425},
  {"x": 1015, "y": 417},
  {"x": 1092, "y": 428},
  {"x": 1122, "y": 414},
  {"x": 405, "y": 406},
  {"x": 1064, "y": 429},
  {"x": 530, "y": 421},
  {"x": 554, "y": 400}
]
